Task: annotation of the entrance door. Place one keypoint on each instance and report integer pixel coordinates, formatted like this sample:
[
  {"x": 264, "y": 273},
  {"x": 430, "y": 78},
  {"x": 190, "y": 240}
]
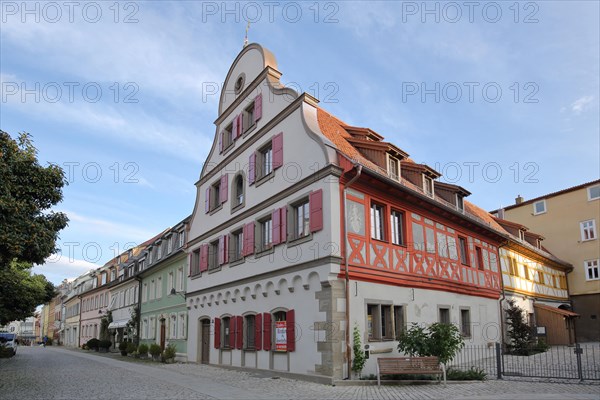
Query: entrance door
[
  {"x": 204, "y": 359},
  {"x": 162, "y": 334}
]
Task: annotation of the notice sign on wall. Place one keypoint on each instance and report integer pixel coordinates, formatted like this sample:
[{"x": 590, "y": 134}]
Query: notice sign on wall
[{"x": 280, "y": 336}]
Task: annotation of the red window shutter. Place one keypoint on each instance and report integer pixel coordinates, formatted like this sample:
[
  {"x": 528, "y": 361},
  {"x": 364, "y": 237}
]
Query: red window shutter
[
  {"x": 217, "y": 333},
  {"x": 221, "y": 250},
  {"x": 249, "y": 238},
  {"x": 290, "y": 319},
  {"x": 204, "y": 258},
  {"x": 239, "y": 335},
  {"x": 267, "y": 331},
  {"x": 276, "y": 218},
  {"x": 224, "y": 192},
  {"x": 240, "y": 119},
  {"x": 283, "y": 224},
  {"x": 258, "y": 332},
  {"x": 277, "y": 145},
  {"x": 258, "y": 107},
  {"x": 316, "y": 210},
  {"x": 221, "y": 134},
  {"x": 252, "y": 168},
  {"x": 207, "y": 200},
  {"x": 232, "y": 332},
  {"x": 226, "y": 250}
]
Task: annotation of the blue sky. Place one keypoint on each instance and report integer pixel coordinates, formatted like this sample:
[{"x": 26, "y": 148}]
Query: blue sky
[{"x": 500, "y": 97}]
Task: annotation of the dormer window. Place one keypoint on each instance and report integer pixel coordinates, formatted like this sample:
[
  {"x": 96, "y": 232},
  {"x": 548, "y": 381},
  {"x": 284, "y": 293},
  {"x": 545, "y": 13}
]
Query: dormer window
[
  {"x": 393, "y": 168},
  {"x": 521, "y": 234},
  {"x": 460, "y": 204},
  {"x": 539, "y": 207},
  {"x": 428, "y": 186},
  {"x": 159, "y": 251}
]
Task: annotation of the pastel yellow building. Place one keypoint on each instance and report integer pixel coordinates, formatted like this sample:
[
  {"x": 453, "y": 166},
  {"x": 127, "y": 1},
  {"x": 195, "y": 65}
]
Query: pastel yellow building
[{"x": 568, "y": 220}]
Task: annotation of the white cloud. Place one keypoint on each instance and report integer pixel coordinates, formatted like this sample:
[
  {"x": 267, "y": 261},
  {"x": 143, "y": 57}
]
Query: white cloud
[
  {"x": 60, "y": 266},
  {"x": 105, "y": 227},
  {"x": 582, "y": 104}
]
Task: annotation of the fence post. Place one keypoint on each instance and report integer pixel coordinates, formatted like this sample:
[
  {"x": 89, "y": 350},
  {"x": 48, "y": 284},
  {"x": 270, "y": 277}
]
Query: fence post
[
  {"x": 578, "y": 352},
  {"x": 498, "y": 361}
]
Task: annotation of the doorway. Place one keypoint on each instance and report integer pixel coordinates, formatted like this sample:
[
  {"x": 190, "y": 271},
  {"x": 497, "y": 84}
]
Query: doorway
[
  {"x": 162, "y": 333},
  {"x": 205, "y": 338}
]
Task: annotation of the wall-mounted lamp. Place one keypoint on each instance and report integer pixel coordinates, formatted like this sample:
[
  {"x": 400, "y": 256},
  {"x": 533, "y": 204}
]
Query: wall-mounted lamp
[{"x": 174, "y": 292}]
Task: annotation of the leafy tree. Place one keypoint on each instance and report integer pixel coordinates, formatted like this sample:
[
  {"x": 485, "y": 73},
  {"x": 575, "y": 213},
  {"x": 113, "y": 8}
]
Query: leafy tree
[
  {"x": 28, "y": 230},
  {"x": 21, "y": 292},
  {"x": 440, "y": 340},
  {"x": 359, "y": 359}
]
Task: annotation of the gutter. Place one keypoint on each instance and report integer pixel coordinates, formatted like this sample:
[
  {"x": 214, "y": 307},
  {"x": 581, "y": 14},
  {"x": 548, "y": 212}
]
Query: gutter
[
  {"x": 503, "y": 298},
  {"x": 347, "y": 276}
]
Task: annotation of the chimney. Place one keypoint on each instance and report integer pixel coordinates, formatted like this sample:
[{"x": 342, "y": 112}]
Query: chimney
[
  {"x": 500, "y": 213},
  {"x": 519, "y": 199}
]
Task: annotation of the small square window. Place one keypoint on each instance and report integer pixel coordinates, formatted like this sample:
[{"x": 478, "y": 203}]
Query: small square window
[
  {"x": 588, "y": 230},
  {"x": 591, "y": 270},
  {"x": 539, "y": 207},
  {"x": 593, "y": 192},
  {"x": 444, "y": 315}
]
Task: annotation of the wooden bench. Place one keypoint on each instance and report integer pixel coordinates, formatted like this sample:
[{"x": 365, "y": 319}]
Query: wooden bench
[{"x": 409, "y": 365}]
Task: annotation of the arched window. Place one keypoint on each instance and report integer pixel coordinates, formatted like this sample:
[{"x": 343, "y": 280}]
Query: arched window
[{"x": 238, "y": 192}]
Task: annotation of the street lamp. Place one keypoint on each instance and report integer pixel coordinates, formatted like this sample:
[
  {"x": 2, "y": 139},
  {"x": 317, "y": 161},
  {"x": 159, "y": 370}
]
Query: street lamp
[{"x": 174, "y": 292}]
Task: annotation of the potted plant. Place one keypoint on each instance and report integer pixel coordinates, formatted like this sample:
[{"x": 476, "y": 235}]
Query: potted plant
[
  {"x": 154, "y": 351},
  {"x": 168, "y": 356},
  {"x": 131, "y": 348},
  {"x": 123, "y": 348},
  {"x": 92, "y": 344},
  {"x": 143, "y": 350},
  {"x": 104, "y": 345}
]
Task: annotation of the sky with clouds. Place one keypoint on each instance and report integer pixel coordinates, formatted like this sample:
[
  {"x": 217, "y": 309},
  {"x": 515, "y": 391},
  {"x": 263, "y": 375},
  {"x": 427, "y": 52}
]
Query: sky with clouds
[{"x": 500, "y": 97}]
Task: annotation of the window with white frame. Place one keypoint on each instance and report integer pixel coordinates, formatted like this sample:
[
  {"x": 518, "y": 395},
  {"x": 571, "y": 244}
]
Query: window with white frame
[
  {"x": 159, "y": 250},
  {"x": 265, "y": 233},
  {"x": 249, "y": 117},
  {"x": 428, "y": 185},
  {"x": 444, "y": 315},
  {"x": 588, "y": 230},
  {"x": 169, "y": 244},
  {"x": 145, "y": 293},
  {"x": 170, "y": 282},
  {"x": 301, "y": 215},
  {"x": 182, "y": 327},
  {"x": 377, "y": 222},
  {"x": 460, "y": 203},
  {"x": 173, "y": 327},
  {"x": 227, "y": 136},
  {"x": 249, "y": 332},
  {"x": 181, "y": 238},
  {"x": 152, "y": 323},
  {"x": 238, "y": 190},
  {"x": 265, "y": 161},
  {"x": 591, "y": 270},
  {"x": 236, "y": 244},
  {"x": 215, "y": 195},
  {"x": 152, "y": 290},
  {"x": 145, "y": 328},
  {"x": 213, "y": 255},
  {"x": 593, "y": 192},
  {"x": 397, "y": 225},
  {"x": 539, "y": 207},
  {"x": 180, "y": 279},
  {"x": 393, "y": 168},
  {"x": 159, "y": 288}
]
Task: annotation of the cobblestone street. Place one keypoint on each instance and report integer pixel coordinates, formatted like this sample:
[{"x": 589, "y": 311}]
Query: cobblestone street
[{"x": 57, "y": 373}]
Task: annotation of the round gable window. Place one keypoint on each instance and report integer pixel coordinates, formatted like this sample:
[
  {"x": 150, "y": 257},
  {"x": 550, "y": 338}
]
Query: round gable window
[{"x": 239, "y": 84}]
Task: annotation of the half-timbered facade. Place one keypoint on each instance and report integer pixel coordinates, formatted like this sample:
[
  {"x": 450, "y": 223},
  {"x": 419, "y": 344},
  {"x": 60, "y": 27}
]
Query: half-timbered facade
[{"x": 305, "y": 227}]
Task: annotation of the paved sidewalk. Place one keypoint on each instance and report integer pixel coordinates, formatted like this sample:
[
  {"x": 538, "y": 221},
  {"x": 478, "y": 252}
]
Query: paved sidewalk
[{"x": 38, "y": 373}]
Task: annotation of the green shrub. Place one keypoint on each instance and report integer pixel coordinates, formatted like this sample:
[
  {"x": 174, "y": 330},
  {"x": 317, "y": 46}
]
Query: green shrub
[
  {"x": 131, "y": 347},
  {"x": 169, "y": 354},
  {"x": 440, "y": 340},
  {"x": 143, "y": 349},
  {"x": 154, "y": 350},
  {"x": 93, "y": 344},
  {"x": 123, "y": 347},
  {"x": 104, "y": 344},
  {"x": 473, "y": 374},
  {"x": 359, "y": 359}
]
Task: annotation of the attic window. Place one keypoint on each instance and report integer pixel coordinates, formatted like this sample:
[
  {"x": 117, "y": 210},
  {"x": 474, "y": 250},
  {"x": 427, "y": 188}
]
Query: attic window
[
  {"x": 239, "y": 84},
  {"x": 393, "y": 168},
  {"x": 428, "y": 186},
  {"x": 460, "y": 205}
]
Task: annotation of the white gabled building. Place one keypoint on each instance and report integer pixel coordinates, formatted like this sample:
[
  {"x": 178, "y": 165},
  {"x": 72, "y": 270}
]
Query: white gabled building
[
  {"x": 268, "y": 286},
  {"x": 260, "y": 263}
]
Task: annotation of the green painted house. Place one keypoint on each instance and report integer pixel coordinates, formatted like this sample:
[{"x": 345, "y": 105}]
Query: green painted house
[{"x": 163, "y": 274}]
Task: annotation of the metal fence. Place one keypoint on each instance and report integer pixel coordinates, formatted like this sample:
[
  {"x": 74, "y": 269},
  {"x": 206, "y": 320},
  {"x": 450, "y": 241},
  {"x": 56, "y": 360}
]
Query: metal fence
[{"x": 581, "y": 361}]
